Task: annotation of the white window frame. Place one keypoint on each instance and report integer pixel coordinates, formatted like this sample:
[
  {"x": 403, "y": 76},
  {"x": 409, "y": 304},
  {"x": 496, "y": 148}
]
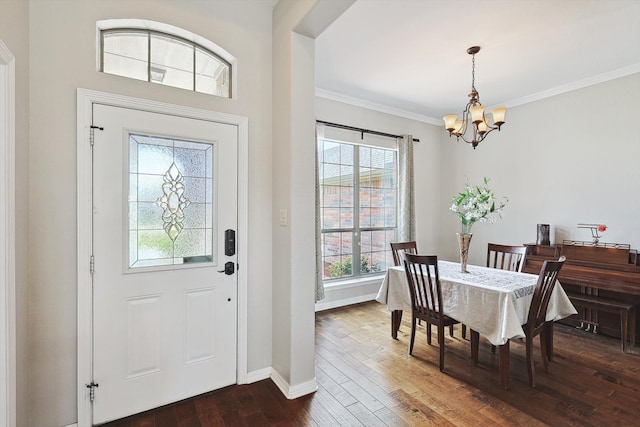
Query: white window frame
[
  {"x": 350, "y": 137},
  {"x": 171, "y": 31}
]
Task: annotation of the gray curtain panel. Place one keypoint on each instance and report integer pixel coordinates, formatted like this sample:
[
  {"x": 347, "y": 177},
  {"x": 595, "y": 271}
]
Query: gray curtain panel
[{"x": 406, "y": 205}]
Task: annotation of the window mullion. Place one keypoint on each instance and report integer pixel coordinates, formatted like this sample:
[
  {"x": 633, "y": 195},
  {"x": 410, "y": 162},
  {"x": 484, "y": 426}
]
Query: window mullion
[
  {"x": 194, "y": 67},
  {"x": 148, "y": 56},
  {"x": 355, "y": 261}
]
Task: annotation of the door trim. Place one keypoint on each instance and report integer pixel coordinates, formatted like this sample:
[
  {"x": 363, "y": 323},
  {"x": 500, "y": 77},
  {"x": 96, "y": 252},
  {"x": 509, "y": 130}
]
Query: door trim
[
  {"x": 85, "y": 100},
  {"x": 7, "y": 239}
]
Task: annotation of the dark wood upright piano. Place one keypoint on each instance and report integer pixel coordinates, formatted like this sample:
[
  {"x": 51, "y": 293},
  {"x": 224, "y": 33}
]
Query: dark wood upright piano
[{"x": 604, "y": 271}]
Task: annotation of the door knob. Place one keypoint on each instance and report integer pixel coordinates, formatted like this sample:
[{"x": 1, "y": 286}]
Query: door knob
[{"x": 229, "y": 268}]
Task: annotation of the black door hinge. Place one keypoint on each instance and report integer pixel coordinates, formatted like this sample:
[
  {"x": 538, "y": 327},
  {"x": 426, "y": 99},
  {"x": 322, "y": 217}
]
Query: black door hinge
[
  {"x": 91, "y": 131},
  {"x": 92, "y": 390}
]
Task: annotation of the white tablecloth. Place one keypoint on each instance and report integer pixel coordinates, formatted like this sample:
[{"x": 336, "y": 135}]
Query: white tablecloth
[{"x": 491, "y": 301}]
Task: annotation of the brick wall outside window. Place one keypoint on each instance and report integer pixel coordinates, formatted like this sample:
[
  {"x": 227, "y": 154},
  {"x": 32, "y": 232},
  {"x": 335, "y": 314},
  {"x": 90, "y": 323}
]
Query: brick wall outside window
[{"x": 359, "y": 175}]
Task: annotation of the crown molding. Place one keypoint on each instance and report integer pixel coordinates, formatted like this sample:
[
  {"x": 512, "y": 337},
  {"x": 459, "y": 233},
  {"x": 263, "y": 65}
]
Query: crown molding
[
  {"x": 590, "y": 81},
  {"x": 357, "y": 102}
]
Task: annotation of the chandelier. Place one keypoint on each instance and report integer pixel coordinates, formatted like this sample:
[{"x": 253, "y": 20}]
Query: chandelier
[{"x": 473, "y": 113}]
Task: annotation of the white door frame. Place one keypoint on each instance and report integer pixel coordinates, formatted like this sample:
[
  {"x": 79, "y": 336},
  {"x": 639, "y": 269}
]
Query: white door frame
[
  {"x": 7, "y": 239},
  {"x": 86, "y": 98}
]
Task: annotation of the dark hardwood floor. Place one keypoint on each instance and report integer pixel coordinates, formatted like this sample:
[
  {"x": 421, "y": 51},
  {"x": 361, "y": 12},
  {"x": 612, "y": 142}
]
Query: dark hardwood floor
[{"x": 366, "y": 378}]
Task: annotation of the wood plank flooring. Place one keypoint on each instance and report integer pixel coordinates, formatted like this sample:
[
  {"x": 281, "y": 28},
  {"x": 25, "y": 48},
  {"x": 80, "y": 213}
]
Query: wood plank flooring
[{"x": 366, "y": 378}]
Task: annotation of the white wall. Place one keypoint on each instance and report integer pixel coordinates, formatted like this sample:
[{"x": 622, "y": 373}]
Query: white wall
[
  {"x": 14, "y": 18},
  {"x": 284, "y": 20},
  {"x": 296, "y": 24},
  {"x": 7, "y": 236},
  {"x": 568, "y": 159},
  {"x": 63, "y": 58}
]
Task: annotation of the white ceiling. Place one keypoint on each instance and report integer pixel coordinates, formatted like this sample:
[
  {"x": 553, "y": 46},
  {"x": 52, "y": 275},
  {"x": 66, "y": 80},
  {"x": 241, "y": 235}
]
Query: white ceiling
[{"x": 409, "y": 56}]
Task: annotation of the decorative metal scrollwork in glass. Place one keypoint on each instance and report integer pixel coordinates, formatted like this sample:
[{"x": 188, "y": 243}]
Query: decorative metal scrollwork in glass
[
  {"x": 173, "y": 202},
  {"x": 170, "y": 201}
]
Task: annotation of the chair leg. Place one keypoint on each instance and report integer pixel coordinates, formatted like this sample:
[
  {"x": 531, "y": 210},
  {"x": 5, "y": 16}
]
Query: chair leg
[
  {"x": 475, "y": 343},
  {"x": 548, "y": 333},
  {"x": 544, "y": 350},
  {"x": 413, "y": 335},
  {"x": 451, "y": 330},
  {"x": 624, "y": 323},
  {"x": 632, "y": 328},
  {"x": 441, "y": 345},
  {"x": 530, "y": 366},
  {"x": 428, "y": 326},
  {"x": 504, "y": 362},
  {"x": 396, "y": 319},
  {"x": 464, "y": 331}
]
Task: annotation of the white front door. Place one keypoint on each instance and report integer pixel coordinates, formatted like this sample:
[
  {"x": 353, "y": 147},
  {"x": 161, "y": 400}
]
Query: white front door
[{"x": 164, "y": 221}]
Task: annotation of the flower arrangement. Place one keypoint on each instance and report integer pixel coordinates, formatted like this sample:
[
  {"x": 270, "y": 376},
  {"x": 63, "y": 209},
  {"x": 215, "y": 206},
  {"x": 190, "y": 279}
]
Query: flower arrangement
[{"x": 477, "y": 204}]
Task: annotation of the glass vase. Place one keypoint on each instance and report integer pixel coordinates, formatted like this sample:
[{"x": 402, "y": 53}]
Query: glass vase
[{"x": 464, "y": 240}]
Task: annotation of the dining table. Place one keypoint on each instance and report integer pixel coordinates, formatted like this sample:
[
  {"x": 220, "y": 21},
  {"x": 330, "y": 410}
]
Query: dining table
[{"x": 492, "y": 302}]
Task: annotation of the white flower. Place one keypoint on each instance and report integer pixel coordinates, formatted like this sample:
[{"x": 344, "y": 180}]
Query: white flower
[{"x": 477, "y": 204}]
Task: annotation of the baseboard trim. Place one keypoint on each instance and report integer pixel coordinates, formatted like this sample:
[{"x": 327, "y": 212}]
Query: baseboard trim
[
  {"x": 293, "y": 392},
  {"x": 266, "y": 373},
  {"x": 320, "y": 306},
  {"x": 259, "y": 375}
]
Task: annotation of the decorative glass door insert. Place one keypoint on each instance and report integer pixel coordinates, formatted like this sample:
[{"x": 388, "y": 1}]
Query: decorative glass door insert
[{"x": 170, "y": 201}]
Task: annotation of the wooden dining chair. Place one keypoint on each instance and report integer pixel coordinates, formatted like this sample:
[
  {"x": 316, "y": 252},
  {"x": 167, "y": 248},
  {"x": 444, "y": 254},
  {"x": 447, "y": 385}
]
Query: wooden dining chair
[
  {"x": 426, "y": 298},
  {"x": 400, "y": 248},
  {"x": 506, "y": 257},
  {"x": 536, "y": 321}
]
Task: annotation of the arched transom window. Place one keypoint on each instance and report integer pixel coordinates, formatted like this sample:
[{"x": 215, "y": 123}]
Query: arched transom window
[{"x": 164, "y": 58}]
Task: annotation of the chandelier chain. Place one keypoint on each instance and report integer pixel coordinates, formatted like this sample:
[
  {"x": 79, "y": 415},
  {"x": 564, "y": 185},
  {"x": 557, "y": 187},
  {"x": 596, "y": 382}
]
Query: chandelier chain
[{"x": 473, "y": 73}]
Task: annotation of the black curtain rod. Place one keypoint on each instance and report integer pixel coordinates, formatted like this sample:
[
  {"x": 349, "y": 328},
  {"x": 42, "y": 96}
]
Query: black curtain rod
[{"x": 362, "y": 131}]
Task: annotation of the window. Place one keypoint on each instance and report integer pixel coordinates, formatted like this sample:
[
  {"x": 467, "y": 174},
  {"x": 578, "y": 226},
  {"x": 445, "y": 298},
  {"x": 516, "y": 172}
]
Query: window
[
  {"x": 164, "y": 59},
  {"x": 170, "y": 201},
  {"x": 358, "y": 208}
]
